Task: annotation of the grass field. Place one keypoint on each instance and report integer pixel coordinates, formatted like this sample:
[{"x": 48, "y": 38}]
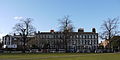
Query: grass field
[{"x": 61, "y": 56}]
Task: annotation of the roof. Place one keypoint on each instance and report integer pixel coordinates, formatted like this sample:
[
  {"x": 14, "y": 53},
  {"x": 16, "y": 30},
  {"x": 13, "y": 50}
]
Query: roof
[
  {"x": 115, "y": 38},
  {"x": 7, "y": 35},
  {"x": 27, "y": 36},
  {"x": 69, "y": 33}
]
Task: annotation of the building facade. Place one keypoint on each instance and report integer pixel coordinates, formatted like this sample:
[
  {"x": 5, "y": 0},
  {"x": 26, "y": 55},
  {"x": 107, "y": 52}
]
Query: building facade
[
  {"x": 71, "y": 41},
  {"x": 8, "y": 42},
  {"x": 115, "y": 43},
  {"x": 105, "y": 43},
  {"x": 16, "y": 41}
]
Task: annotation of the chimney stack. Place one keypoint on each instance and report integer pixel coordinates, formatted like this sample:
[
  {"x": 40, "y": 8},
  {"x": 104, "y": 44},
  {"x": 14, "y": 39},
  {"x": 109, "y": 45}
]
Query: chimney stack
[
  {"x": 94, "y": 30},
  {"x": 51, "y": 30},
  {"x": 38, "y": 32},
  {"x": 81, "y": 30},
  {"x": 14, "y": 34}
]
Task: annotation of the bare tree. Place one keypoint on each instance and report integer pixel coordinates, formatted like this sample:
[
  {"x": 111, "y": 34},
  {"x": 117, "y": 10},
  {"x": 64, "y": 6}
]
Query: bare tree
[
  {"x": 109, "y": 28},
  {"x": 25, "y": 29},
  {"x": 66, "y": 24},
  {"x": 66, "y": 27}
]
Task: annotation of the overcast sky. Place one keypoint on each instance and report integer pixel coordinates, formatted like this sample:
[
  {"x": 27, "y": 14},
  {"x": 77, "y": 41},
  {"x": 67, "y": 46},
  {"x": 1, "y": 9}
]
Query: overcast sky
[{"x": 87, "y": 14}]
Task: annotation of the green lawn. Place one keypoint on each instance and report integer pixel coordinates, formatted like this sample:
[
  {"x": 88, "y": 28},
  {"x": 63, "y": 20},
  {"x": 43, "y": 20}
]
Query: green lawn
[{"x": 61, "y": 56}]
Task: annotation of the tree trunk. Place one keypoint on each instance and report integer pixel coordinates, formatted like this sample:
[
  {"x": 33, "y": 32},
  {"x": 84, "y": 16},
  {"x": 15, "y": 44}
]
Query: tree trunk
[{"x": 24, "y": 42}]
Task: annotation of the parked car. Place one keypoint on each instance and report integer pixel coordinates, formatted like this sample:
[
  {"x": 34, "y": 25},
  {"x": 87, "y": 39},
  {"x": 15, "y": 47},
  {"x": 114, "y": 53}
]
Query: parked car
[
  {"x": 34, "y": 50},
  {"x": 98, "y": 51}
]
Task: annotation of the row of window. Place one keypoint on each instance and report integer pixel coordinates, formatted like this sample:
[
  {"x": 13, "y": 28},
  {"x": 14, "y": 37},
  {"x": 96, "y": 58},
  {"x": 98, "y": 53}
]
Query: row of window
[
  {"x": 72, "y": 37},
  {"x": 87, "y": 42},
  {"x": 84, "y": 36},
  {"x": 73, "y": 42},
  {"x": 50, "y": 36}
]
